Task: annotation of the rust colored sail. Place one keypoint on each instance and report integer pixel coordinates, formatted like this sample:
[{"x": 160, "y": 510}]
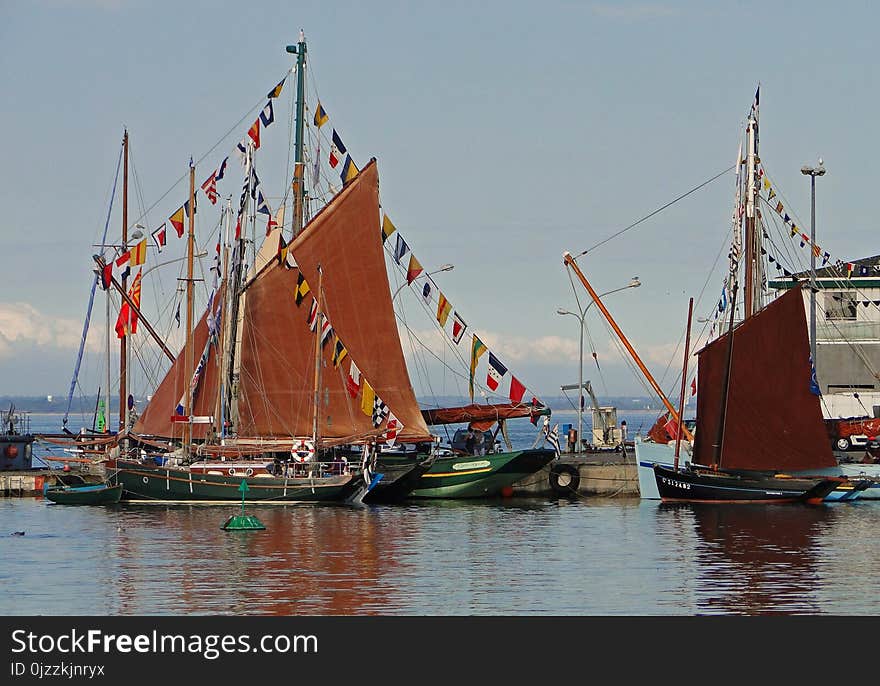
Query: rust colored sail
[
  {"x": 276, "y": 388},
  {"x": 773, "y": 421},
  {"x": 481, "y": 417},
  {"x": 156, "y": 418}
]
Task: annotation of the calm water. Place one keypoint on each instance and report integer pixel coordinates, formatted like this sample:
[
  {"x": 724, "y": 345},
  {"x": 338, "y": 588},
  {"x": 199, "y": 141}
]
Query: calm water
[{"x": 588, "y": 556}]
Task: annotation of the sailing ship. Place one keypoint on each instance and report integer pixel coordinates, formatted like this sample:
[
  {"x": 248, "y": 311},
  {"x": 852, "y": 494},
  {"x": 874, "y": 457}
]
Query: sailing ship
[
  {"x": 759, "y": 430},
  {"x": 259, "y": 394}
]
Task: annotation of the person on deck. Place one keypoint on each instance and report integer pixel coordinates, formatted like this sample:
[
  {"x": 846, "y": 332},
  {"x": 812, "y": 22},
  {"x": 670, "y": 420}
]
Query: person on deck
[
  {"x": 470, "y": 442},
  {"x": 480, "y": 444}
]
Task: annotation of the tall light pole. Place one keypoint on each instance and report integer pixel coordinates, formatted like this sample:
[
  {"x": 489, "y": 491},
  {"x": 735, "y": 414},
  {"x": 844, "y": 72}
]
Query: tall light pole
[
  {"x": 441, "y": 268},
  {"x": 580, "y": 316},
  {"x": 813, "y": 172}
]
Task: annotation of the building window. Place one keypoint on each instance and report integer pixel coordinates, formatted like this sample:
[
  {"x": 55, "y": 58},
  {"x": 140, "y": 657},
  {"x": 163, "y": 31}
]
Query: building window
[{"x": 840, "y": 305}]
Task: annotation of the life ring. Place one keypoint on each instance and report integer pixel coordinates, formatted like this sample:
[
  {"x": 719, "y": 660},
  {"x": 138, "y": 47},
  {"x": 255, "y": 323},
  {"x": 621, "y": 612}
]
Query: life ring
[
  {"x": 231, "y": 471},
  {"x": 303, "y": 452},
  {"x": 249, "y": 472},
  {"x": 565, "y": 479}
]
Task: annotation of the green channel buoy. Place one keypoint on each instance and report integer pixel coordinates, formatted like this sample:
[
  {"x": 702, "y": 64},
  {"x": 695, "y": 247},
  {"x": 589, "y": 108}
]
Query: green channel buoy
[{"x": 243, "y": 522}]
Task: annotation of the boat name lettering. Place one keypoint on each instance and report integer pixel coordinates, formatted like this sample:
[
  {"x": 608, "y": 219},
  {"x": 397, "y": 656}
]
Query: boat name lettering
[{"x": 478, "y": 464}]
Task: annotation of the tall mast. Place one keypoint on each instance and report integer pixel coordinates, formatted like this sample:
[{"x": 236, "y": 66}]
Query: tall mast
[
  {"x": 123, "y": 348},
  {"x": 725, "y": 385},
  {"x": 569, "y": 261},
  {"x": 684, "y": 373},
  {"x": 754, "y": 276},
  {"x": 299, "y": 192},
  {"x": 187, "y": 410},
  {"x": 219, "y": 411}
]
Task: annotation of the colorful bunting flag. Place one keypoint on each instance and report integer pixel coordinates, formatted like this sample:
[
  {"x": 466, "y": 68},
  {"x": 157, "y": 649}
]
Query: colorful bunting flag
[
  {"x": 302, "y": 288},
  {"x": 320, "y": 116},
  {"x": 387, "y": 227},
  {"x": 275, "y": 92},
  {"x": 221, "y": 172},
  {"x": 458, "y": 327},
  {"x": 210, "y": 187},
  {"x": 267, "y": 116},
  {"x": 771, "y": 195},
  {"x": 158, "y": 237},
  {"x": 312, "y": 319},
  {"x": 139, "y": 253},
  {"x": 380, "y": 412},
  {"x": 176, "y": 220},
  {"x": 427, "y": 289},
  {"x": 443, "y": 309},
  {"x": 107, "y": 275},
  {"x": 496, "y": 371},
  {"x": 337, "y": 149},
  {"x": 123, "y": 258},
  {"x": 478, "y": 348},
  {"x": 282, "y": 256},
  {"x": 254, "y": 133},
  {"x": 517, "y": 390},
  {"x": 349, "y": 170},
  {"x": 339, "y": 353},
  {"x": 400, "y": 249},
  {"x": 368, "y": 397},
  {"x": 126, "y": 322},
  {"x": 414, "y": 269},
  {"x": 326, "y": 330},
  {"x": 693, "y": 387},
  {"x": 353, "y": 380},
  {"x": 392, "y": 429}
]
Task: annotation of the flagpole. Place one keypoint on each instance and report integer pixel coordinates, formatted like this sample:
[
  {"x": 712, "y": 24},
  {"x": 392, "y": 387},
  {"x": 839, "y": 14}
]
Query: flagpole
[
  {"x": 318, "y": 333},
  {"x": 687, "y": 347},
  {"x": 123, "y": 348},
  {"x": 187, "y": 410},
  {"x": 218, "y": 411}
]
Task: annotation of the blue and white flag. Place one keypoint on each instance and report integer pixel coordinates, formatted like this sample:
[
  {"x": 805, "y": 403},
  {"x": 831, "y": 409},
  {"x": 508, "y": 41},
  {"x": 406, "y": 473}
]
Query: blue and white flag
[
  {"x": 496, "y": 371},
  {"x": 401, "y": 249},
  {"x": 221, "y": 172},
  {"x": 426, "y": 291},
  {"x": 267, "y": 116},
  {"x": 552, "y": 437},
  {"x": 814, "y": 384},
  {"x": 722, "y": 304}
]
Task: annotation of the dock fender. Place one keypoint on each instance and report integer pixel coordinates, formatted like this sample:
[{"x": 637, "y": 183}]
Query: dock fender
[{"x": 565, "y": 479}]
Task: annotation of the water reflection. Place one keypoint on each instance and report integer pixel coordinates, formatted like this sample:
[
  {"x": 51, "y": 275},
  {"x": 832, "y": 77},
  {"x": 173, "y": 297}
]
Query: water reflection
[{"x": 757, "y": 559}]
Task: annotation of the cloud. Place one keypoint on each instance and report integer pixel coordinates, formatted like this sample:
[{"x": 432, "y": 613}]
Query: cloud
[
  {"x": 633, "y": 12},
  {"x": 23, "y": 326}
]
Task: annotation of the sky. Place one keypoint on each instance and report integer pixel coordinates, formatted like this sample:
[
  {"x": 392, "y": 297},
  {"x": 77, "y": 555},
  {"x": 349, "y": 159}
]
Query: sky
[{"x": 505, "y": 133}]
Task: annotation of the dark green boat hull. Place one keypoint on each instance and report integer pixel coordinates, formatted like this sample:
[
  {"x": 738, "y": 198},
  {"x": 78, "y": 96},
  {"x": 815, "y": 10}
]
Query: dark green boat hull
[
  {"x": 479, "y": 476},
  {"x": 146, "y": 483},
  {"x": 101, "y": 494}
]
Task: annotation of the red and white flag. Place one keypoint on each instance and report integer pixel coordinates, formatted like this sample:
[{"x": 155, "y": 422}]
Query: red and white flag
[
  {"x": 496, "y": 371},
  {"x": 210, "y": 187},
  {"x": 392, "y": 428},
  {"x": 159, "y": 237},
  {"x": 694, "y": 387},
  {"x": 353, "y": 380}
]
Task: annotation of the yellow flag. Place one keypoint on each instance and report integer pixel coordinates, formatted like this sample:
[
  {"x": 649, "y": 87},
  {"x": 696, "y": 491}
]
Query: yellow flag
[
  {"x": 766, "y": 183},
  {"x": 478, "y": 348},
  {"x": 139, "y": 253},
  {"x": 387, "y": 227},
  {"x": 444, "y": 307},
  {"x": 349, "y": 170},
  {"x": 368, "y": 397}
]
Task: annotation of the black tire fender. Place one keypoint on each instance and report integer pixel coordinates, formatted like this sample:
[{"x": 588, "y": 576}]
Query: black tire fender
[{"x": 565, "y": 479}]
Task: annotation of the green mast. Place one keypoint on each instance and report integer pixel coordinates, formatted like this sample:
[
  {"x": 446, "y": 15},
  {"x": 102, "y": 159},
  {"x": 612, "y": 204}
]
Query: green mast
[{"x": 299, "y": 192}]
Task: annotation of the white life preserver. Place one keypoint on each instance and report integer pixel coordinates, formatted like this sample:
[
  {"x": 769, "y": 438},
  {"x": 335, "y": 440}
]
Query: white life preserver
[
  {"x": 303, "y": 452},
  {"x": 249, "y": 472},
  {"x": 231, "y": 471}
]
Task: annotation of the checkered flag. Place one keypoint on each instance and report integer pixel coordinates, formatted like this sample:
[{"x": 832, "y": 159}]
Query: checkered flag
[{"x": 380, "y": 412}]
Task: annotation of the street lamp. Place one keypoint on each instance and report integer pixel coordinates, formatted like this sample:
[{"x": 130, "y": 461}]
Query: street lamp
[
  {"x": 813, "y": 172},
  {"x": 442, "y": 268},
  {"x": 580, "y": 315}
]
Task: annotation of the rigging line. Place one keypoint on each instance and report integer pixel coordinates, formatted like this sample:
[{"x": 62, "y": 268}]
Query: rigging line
[
  {"x": 185, "y": 175},
  {"x": 657, "y": 211},
  {"x": 97, "y": 276}
]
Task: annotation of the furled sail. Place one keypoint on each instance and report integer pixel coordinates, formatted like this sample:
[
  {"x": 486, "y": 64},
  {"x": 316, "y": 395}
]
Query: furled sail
[
  {"x": 276, "y": 387},
  {"x": 482, "y": 417},
  {"x": 773, "y": 421}
]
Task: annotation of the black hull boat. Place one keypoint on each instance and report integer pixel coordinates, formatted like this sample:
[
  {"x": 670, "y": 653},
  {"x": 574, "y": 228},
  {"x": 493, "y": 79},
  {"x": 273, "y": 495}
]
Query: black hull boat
[{"x": 709, "y": 486}]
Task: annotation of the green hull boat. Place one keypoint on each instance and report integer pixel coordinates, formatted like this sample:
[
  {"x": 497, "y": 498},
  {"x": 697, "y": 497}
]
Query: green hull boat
[
  {"x": 479, "y": 476},
  {"x": 95, "y": 494}
]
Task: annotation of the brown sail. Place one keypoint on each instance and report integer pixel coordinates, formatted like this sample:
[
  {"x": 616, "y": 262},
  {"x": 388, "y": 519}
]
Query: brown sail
[
  {"x": 156, "y": 418},
  {"x": 276, "y": 388},
  {"x": 772, "y": 420},
  {"x": 481, "y": 417}
]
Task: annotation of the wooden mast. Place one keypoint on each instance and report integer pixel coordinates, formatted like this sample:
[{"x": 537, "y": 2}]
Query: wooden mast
[
  {"x": 123, "y": 341},
  {"x": 317, "y": 388},
  {"x": 188, "y": 367},
  {"x": 569, "y": 261},
  {"x": 684, "y": 369},
  {"x": 219, "y": 413}
]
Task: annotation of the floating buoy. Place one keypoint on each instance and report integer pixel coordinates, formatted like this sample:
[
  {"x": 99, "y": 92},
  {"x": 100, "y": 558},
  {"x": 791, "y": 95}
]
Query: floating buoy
[{"x": 243, "y": 522}]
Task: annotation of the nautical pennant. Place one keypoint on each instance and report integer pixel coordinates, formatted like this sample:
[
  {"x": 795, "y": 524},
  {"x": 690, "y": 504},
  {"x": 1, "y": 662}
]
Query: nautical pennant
[
  {"x": 302, "y": 288},
  {"x": 221, "y": 172},
  {"x": 139, "y": 253},
  {"x": 210, "y": 187},
  {"x": 414, "y": 269},
  {"x": 496, "y": 371},
  {"x": 443, "y": 309},
  {"x": 326, "y": 330},
  {"x": 426, "y": 291},
  {"x": 320, "y": 116},
  {"x": 517, "y": 390},
  {"x": 241, "y": 149},
  {"x": 176, "y": 220},
  {"x": 392, "y": 429},
  {"x": 282, "y": 253},
  {"x": 387, "y": 228},
  {"x": 458, "y": 327},
  {"x": 177, "y": 315},
  {"x": 312, "y": 319},
  {"x": 552, "y": 435},
  {"x": 400, "y": 249},
  {"x": 368, "y": 398},
  {"x": 478, "y": 348},
  {"x": 216, "y": 266},
  {"x": 254, "y": 133},
  {"x": 349, "y": 170},
  {"x": 126, "y": 322},
  {"x": 107, "y": 275},
  {"x": 380, "y": 412},
  {"x": 159, "y": 237},
  {"x": 353, "y": 380},
  {"x": 275, "y": 92},
  {"x": 123, "y": 258},
  {"x": 339, "y": 353},
  {"x": 267, "y": 116},
  {"x": 337, "y": 149}
]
